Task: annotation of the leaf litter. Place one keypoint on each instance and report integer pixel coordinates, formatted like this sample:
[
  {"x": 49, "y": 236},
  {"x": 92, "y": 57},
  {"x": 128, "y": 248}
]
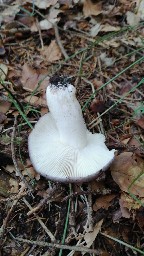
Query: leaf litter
[{"x": 100, "y": 39}]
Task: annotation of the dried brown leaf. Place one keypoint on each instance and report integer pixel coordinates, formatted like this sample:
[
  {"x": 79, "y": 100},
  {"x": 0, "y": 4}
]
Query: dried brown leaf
[
  {"x": 2, "y": 117},
  {"x": 128, "y": 172},
  {"x": 90, "y": 237},
  {"x": 91, "y": 8},
  {"x": 36, "y": 101},
  {"x": 14, "y": 185},
  {"x": 44, "y": 4},
  {"x": 109, "y": 28},
  {"x": 140, "y": 122},
  {"x": 98, "y": 106},
  {"x": 3, "y": 71},
  {"x": 34, "y": 78},
  {"x": 51, "y": 52},
  {"x": 126, "y": 201},
  {"x": 4, "y": 106},
  {"x": 103, "y": 202}
]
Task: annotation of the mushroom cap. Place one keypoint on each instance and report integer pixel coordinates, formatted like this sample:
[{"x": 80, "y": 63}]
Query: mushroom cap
[{"x": 59, "y": 161}]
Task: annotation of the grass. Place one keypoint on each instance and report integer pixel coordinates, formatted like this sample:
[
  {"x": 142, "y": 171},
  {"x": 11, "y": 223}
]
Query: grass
[
  {"x": 83, "y": 52},
  {"x": 123, "y": 243}
]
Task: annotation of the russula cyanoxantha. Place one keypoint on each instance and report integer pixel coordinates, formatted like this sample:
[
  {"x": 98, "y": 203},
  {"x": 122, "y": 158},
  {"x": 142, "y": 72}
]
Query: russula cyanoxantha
[{"x": 60, "y": 146}]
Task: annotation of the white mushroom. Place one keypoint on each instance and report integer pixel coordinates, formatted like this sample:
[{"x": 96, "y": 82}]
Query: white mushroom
[{"x": 60, "y": 146}]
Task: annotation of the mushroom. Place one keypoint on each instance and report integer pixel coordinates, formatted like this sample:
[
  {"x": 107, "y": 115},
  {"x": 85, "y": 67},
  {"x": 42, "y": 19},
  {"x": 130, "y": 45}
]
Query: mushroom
[{"x": 60, "y": 146}]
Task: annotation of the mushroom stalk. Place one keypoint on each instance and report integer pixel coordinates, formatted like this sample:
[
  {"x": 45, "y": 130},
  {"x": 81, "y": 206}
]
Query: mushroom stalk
[
  {"x": 67, "y": 114},
  {"x": 60, "y": 146}
]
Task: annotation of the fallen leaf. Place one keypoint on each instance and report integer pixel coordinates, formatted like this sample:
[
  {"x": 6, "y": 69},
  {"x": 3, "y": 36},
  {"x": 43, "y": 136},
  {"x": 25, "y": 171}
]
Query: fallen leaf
[
  {"x": 3, "y": 71},
  {"x": 124, "y": 211},
  {"x": 51, "y": 52},
  {"x": 44, "y": 4},
  {"x": 140, "y": 9},
  {"x": 2, "y": 117},
  {"x": 10, "y": 168},
  {"x": 10, "y": 12},
  {"x": 103, "y": 201},
  {"x": 4, "y": 106},
  {"x": 44, "y": 25},
  {"x": 95, "y": 29},
  {"x": 14, "y": 185},
  {"x": 98, "y": 106},
  {"x": 31, "y": 173},
  {"x": 106, "y": 60},
  {"x": 5, "y": 139},
  {"x": 140, "y": 122},
  {"x": 116, "y": 216},
  {"x": 126, "y": 201},
  {"x": 90, "y": 237},
  {"x": 132, "y": 18},
  {"x": 128, "y": 172},
  {"x": 109, "y": 28},
  {"x": 2, "y": 48},
  {"x": 91, "y": 8},
  {"x": 140, "y": 218},
  {"x": 34, "y": 78},
  {"x": 36, "y": 101},
  {"x": 51, "y": 18}
]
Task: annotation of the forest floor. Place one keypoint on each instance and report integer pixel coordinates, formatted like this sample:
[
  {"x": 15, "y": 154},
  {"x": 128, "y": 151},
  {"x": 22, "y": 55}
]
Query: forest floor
[{"x": 100, "y": 45}]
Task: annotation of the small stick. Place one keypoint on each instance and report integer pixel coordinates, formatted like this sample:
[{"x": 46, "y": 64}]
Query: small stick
[
  {"x": 60, "y": 246},
  {"x": 89, "y": 224},
  {"x": 14, "y": 158},
  {"x": 5, "y": 221},
  {"x": 40, "y": 34},
  {"x": 50, "y": 197},
  {"x": 41, "y": 222},
  {"x": 59, "y": 41}
]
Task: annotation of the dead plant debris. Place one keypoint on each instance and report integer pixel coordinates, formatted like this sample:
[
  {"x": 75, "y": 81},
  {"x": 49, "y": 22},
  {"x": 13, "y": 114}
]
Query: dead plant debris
[{"x": 99, "y": 44}]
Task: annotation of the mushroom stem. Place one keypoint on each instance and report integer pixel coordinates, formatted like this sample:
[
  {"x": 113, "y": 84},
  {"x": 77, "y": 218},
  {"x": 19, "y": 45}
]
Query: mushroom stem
[{"x": 67, "y": 114}]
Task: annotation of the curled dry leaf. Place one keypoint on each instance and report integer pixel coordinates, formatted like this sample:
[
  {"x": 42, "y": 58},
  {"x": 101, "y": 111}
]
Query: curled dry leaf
[
  {"x": 31, "y": 173},
  {"x": 4, "y": 106},
  {"x": 51, "y": 18},
  {"x": 134, "y": 18},
  {"x": 126, "y": 201},
  {"x": 90, "y": 237},
  {"x": 128, "y": 172},
  {"x": 103, "y": 202},
  {"x": 36, "y": 101},
  {"x": 14, "y": 185},
  {"x": 43, "y": 4},
  {"x": 2, "y": 117},
  {"x": 106, "y": 60},
  {"x": 9, "y": 13},
  {"x": 95, "y": 30},
  {"x": 51, "y": 52},
  {"x": 140, "y": 122},
  {"x": 34, "y": 78},
  {"x": 98, "y": 106},
  {"x": 3, "y": 71},
  {"x": 91, "y": 8},
  {"x": 109, "y": 28}
]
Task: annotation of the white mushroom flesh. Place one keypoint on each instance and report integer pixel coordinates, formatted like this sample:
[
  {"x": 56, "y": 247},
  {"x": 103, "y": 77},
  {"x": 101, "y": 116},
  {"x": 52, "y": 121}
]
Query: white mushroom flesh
[{"x": 60, "y": 146}]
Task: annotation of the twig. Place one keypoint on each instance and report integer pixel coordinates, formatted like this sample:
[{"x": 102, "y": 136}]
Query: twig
[
  {"x": 41, "y": 222},
  {"x": 14, "y": 158},
  {"x": 40, "y": 34},
  {"x": 60, "y": 246},
  {"x": 59, "y": 41},
  {"x": 13, "y": 197},
  {"x": 47, "y": 199},
  {"x": 89, "y": 224},
  {"x": 5, "y": 221}
]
